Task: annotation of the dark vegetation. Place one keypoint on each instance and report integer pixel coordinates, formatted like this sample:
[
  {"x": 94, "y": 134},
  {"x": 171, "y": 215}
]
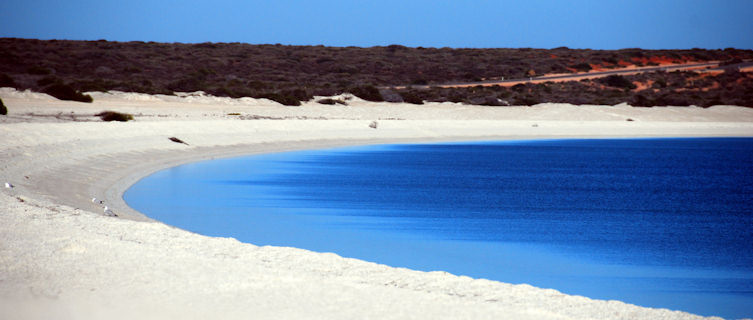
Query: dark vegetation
[
  {"x": 114, "y": 116},
  {"x": 331, "y": 101},
  {"x": 291, "y": 74},
  {"x": 66, "y": 92},
  {"x": 667, "y": 89},
  {"x": 617, "y": 81},
  {"x": 3, "y": 108}
]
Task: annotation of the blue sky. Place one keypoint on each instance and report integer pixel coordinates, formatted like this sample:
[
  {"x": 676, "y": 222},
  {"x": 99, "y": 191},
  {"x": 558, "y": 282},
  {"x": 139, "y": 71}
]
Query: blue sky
[{"x": 605, "y": 24}]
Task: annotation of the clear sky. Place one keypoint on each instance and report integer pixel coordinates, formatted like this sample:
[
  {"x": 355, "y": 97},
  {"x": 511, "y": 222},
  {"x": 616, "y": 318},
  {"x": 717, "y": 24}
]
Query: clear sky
[{"x": 597, "y": 24}]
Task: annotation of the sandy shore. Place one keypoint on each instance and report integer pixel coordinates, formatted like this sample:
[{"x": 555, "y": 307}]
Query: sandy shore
[{"x": 60, "y": 255}]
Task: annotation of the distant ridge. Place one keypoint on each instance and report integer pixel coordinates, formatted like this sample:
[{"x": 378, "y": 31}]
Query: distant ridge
[{"x": 290, "y": 74}]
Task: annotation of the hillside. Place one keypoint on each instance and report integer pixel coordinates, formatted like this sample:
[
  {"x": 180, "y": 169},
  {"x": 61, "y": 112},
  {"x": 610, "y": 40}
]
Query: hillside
[{"x": 289, "y": 74}]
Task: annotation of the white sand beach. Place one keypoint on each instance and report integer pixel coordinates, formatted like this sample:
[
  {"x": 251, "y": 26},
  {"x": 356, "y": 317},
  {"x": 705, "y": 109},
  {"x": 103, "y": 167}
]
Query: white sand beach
[{"x": 61, "y": 257}]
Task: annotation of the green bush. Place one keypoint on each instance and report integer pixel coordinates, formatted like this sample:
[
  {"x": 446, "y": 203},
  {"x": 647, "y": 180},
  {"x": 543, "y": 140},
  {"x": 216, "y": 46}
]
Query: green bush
[
  {"x": 3, "y": 109},
  {"x": 114, "y": 116},
  {"x": 66, "y": 92}
]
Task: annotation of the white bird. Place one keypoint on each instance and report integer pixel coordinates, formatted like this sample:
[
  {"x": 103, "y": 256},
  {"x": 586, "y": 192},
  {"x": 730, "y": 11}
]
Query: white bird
[
  {"x": 94, "y": 200},
  {"x": 8, "y": 185},
  {"x": 108, "y": 211}
]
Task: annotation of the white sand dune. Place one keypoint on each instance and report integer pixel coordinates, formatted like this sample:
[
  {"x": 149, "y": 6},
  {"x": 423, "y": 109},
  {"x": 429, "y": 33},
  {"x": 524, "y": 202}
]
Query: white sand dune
[{"x": 62, "y": 257}]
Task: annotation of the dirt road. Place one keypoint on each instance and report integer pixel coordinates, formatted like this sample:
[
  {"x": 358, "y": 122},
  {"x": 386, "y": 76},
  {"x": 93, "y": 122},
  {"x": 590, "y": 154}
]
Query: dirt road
[{"x": 573, "y": 76}]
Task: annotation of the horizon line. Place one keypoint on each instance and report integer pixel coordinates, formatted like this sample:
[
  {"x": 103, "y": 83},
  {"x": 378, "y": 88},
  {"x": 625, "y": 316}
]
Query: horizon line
[{"x": 365, "y": 47}]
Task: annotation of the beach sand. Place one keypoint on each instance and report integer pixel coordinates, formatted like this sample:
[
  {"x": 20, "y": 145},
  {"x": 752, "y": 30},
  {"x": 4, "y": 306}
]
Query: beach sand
[{"x": 61, "y": 257}]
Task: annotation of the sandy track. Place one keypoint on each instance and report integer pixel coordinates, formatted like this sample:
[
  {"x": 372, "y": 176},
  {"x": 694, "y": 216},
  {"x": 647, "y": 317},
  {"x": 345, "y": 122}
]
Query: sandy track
[
  {"x": 601, "y": 73},
  {"x": 59, "y": 255}
]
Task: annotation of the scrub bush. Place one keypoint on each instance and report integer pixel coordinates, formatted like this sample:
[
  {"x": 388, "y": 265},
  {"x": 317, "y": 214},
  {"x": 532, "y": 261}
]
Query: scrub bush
[
  {"x": 66, "y": 92},
  {"x": 410, "y": 97},
  {"x": 114, "y": 116},
  {"x": 285, "y": 100},
  {"x": 331, "y": 101},
  {"x": 368, "y": 93},
  {"x": 6, "y": 81},
  {"x": 581, "y": 67},
  {"x": 617, "y": 82},
  {"x": 37, "y": 70}
]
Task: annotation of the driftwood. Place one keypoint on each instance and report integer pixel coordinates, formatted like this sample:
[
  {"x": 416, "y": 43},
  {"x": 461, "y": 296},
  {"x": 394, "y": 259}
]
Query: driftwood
[{"x": 176, "y": 140}]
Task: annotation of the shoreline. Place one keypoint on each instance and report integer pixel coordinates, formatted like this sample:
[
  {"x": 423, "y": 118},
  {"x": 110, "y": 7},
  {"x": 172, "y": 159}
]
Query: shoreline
[
  {"x": 114, "y": 188},
  {"x": 61, "y": 253}
]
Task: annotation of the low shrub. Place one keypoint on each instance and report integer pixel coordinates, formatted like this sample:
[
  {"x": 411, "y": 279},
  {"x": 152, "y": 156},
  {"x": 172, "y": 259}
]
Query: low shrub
[
  {"x": 368, "y": 93},
  {"x": 489, "y": 100},
  {"x": 581, "y": 67},
  {"x": 66, "y": 92},
  {"x": 3, "y": 109},
  {"x": 188, "y": 84},
  {"x": 38, "y": 70},
  {"x": 640, "y": 100},
  {"x": 527, "y": 100},
  {"x": 617, "y": 81},
  {"x": 330, "y": 101},
  {"x": 281, "y": 99},
  {"x": 730, "y": 62},
  {"x": 298, "y": 94},
  {"x": 46, "y": 81},
  {"x": 114, "y": 116},
  {"x": 390, "y": 95},
  {"x": 410, "y": 97},
  {"x": 672, "y": 99},
  {"x": 6, "y": 81},
  {"x": 660, "y": 83}
]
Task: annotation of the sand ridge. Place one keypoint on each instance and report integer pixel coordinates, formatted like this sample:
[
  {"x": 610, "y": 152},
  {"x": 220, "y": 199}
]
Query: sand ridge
[{"x": 60, "y": 255}]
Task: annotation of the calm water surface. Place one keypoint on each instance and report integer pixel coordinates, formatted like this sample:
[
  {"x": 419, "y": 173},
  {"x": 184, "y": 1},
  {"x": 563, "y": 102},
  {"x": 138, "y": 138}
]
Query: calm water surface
[{"x": 655, "y": 222}]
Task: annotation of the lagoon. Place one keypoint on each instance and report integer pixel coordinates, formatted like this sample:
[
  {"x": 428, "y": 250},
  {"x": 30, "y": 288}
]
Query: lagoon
[{"x": 654, "y": 222}]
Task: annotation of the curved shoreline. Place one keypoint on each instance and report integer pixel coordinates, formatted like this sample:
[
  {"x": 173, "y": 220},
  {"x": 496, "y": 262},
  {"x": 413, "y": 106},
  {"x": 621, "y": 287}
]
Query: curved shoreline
[
  {"x": 61, "y": 252},
  {"x": 167, "y": 179},
  {"x": 113, "y": 190}
]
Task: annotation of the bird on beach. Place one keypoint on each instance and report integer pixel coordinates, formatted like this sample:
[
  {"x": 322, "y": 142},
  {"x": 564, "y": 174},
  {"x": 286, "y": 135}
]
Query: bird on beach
[
  {"x": 109, "y": 212},
  {"x": 94, "y": 200},
  {"x": 8, "y": 185}
]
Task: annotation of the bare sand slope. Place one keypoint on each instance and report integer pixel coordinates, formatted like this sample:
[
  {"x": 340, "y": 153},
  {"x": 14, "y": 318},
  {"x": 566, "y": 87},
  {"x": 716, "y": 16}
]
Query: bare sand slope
[{"x": 61, "y": 257}]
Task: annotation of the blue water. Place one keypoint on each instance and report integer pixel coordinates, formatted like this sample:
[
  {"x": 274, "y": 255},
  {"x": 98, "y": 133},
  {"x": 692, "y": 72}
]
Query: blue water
[{"x": 655, "y": 222}]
